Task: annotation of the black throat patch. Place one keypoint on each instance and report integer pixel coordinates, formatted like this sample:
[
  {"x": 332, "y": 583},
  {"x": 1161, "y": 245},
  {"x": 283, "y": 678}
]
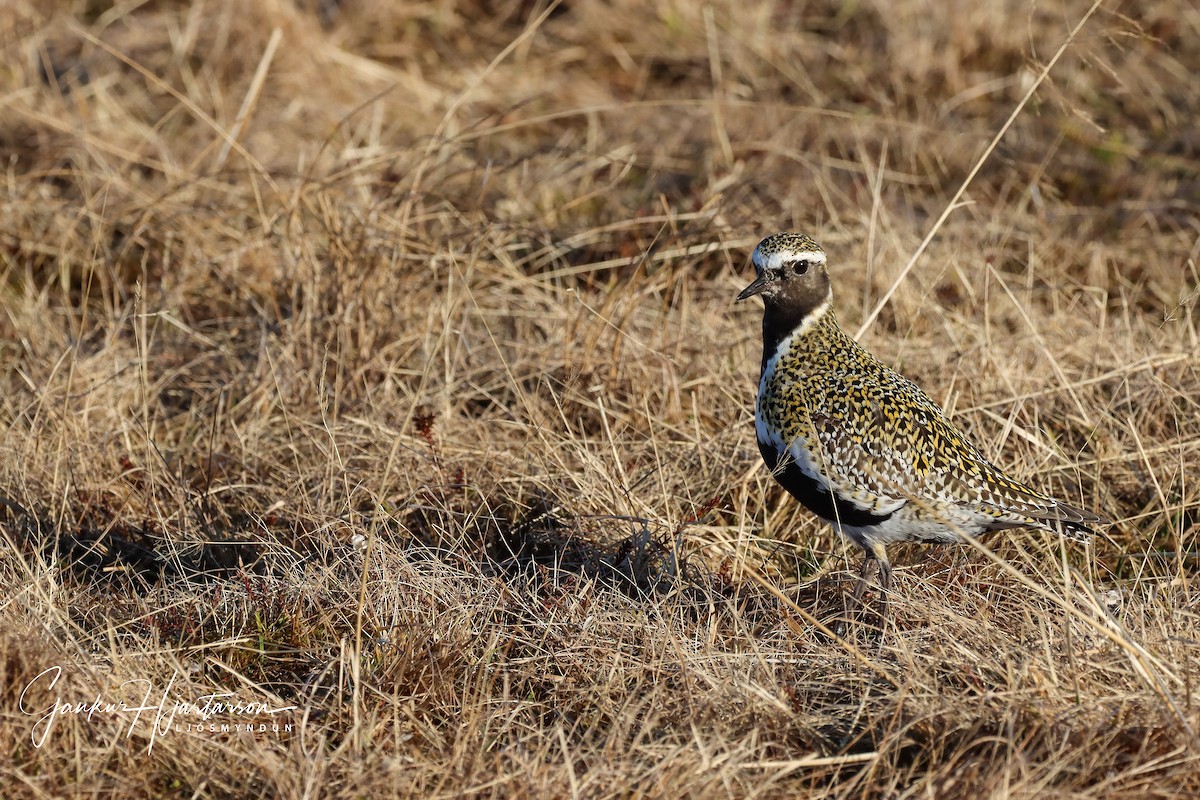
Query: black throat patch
[{"x": 786, "y": 309}]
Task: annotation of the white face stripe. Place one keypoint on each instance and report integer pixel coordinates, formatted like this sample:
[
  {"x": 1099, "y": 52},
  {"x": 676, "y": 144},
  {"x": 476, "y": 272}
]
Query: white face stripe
[{"x": 777, "y": 259}]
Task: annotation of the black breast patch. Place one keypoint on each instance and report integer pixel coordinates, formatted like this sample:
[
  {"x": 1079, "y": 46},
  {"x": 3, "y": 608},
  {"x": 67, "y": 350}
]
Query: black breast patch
[{"x": 813, "y": 496}]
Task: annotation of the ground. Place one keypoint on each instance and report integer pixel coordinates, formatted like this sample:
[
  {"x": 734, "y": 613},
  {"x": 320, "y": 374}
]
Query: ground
[{"x": 372, "y": 369}]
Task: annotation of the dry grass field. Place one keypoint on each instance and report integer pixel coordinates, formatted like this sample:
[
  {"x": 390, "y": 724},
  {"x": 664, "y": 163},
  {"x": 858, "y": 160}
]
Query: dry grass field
[{"x": 375, "y": 416}]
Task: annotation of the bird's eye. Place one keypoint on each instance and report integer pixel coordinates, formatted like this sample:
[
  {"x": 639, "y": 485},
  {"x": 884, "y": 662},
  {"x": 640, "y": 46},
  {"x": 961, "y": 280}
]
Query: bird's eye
[{"x": 799, "y": 266}]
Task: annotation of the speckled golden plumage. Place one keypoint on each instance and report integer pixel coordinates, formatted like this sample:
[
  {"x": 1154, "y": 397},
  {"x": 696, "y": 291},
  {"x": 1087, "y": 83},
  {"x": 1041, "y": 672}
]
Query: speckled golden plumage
[{"x": 860, "y": 445}]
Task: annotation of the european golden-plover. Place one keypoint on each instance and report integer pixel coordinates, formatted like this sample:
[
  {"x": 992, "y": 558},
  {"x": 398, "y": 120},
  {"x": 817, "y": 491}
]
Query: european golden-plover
[{"x": 861, "y": 446}]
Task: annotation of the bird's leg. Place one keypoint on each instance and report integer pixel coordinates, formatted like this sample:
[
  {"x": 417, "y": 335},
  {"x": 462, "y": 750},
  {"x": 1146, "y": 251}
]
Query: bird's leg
[
  {"x": 864, "y": 577},
  {"x": 885, "y": 581},
  {"x": 864, "y": 574},
  {"x": 876, "y": 554}
]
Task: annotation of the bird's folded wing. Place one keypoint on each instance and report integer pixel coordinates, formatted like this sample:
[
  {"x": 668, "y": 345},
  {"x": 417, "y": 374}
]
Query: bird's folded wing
[{"x": 925, "y": 460}]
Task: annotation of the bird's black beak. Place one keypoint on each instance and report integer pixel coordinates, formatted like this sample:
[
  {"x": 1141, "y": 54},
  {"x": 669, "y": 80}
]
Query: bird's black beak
[{"x": 757, "y": 287}]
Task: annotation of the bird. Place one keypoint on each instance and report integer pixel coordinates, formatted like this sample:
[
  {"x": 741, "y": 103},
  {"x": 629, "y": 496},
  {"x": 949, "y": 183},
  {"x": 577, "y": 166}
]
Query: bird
[{"x": 861, "y": 446}]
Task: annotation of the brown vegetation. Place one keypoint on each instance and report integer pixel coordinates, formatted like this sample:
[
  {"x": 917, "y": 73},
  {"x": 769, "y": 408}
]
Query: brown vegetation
[{"x": 379, "y": 359}]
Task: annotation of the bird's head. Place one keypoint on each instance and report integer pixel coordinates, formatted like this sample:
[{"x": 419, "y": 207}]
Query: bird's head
[{"x": 789, "y": 272}]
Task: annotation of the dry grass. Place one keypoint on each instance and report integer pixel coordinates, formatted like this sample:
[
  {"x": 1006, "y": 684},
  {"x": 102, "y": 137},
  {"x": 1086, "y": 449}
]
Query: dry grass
[{"x": 386, "y": 367}]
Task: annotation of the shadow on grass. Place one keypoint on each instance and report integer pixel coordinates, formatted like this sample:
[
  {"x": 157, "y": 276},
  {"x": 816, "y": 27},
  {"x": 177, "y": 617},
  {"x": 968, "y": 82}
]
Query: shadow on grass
[{"x": 541, "y": 544}]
